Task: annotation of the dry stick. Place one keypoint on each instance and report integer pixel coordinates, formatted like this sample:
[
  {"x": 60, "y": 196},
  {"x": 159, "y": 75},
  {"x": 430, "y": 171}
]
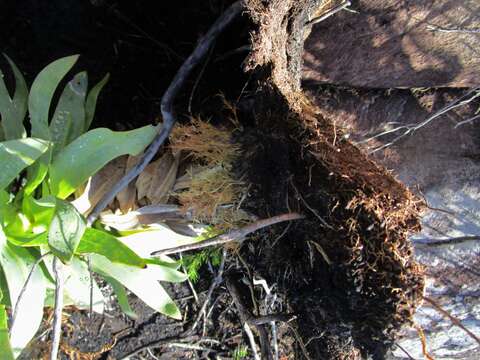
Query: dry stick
[
  {"x": 246, "y": 316},
  {"x": 452, "y": 318},
  {"x": 411, "y": 128},
  {"x": 57, "y": 315},
  {"x": 404, "y": 351},
  {"x": 167, "y": 106},
  {"x": 167, "y": 113},
  {"x": 440, "y": 242},
  {"x": 187, "y": 334},
  {"x": 25, "y": 285},
  {"x": 463, "y": 122},
  {"x": 233, "y": 235},
  {"x": 329, "y": 13},
  {"x": 452, "y": 30},
  {"x": 218, "y": 279}
]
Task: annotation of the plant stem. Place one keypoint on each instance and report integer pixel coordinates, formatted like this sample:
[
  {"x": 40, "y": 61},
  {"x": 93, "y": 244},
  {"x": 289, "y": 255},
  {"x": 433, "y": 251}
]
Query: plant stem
[
  {"x": 24, "y": 288},
  {"x": 57, "y": 315},
  {"x": 233, "y": 235}
]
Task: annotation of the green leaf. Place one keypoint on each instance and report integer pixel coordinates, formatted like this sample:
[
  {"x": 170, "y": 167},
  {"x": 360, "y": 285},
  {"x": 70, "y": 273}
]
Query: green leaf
[
  {"x": 16, "y": 155},
  {"x": 39, "y": 212},
  {"x": 141, "y": 282},
  {"x": 102, "y": 243},
  {"x": 6, "y": 352},
  {"x": 157, "y": 238},
  {"x": 37, "y": 172},
  {"x": 66, "y": 230},
  {"x": 16, "y": 263},
  {"x": 91, "y": 103},
  {"x": 13, "y": 111},
  {"x": 35, "y": 240},
  {"x": 122, "y": 297},
  {"x": 68, "y": 120},
  {"x": 90, "y": 152},
  {"x": 42, "y": 91}
]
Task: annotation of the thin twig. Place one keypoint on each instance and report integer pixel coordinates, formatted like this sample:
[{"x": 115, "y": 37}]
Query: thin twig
[
  {"x": 187, "y": 334},
  {"x": 463, "y": 122},
  {"x": 411, "y": 128},
  {"x": 246, "y": 317},
  {"x": 25, "y": 285},
  {"x": 90, "y": 274},
  {"x": 452, "y": 30},
  {"x": 57, "y": 312},
  {"x": 192, "y": 288},
  {"x": 218, "y": 279},
  {"x": 312, "y": 210},
  {"x": 233, "y": 235},
  {"x": 251, "y": 340},
  {"x": 168, "y": 99},
  {"x": 158, "y": 343},
  {"x": 445, "y": 242},
  {"x": 452, "y": 318},
  {"x": 404, "y": 351},
  {"x": 329, "y": 13}
]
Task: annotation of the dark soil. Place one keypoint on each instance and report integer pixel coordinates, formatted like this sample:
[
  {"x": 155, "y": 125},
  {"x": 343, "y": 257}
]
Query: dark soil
[{"x": 356, "y": 213}]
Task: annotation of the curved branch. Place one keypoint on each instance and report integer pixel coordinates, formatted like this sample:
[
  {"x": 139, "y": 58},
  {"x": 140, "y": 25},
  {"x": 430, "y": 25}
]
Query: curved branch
[{"x": 168, "y": 98}]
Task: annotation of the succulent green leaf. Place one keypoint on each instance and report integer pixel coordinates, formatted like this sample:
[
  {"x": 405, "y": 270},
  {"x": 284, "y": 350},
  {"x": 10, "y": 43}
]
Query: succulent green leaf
[
  {"x": 37, "y": 172},
  {"x": 16, "y": 155},
  {"x": 16, "y": 264},
  {"x": 122, "y": 297},
  {"x": 39, "y": 211},
  {"x": 90, "y": 152},
  {"x": 42, "y": 91},
  {"x": 13, "y": 110},
  {"x": 68, "y": 121},
  {"x": 99, "y": 242},
  {"x": 91, "y": 103},
  {"x": 66, "y": 229},
  {"x": 141, "y": 282},
  {"x": 6, "y": 352}
]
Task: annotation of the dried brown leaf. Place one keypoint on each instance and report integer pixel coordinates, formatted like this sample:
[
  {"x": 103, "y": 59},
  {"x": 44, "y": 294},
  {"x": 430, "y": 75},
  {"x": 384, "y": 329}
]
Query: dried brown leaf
[
  {"x": 163, "y": 178},
  {"x": 128, "y": 196},
  {"x": 145, "y": 180},
  {"x": 183, "y": 182},
  {"x": 99, "y": 184}
]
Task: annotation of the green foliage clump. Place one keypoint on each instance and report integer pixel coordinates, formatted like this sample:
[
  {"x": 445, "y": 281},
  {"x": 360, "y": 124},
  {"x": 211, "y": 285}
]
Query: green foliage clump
[
  {"x": 39, "y": 225},
  {"x": 193, "y": 263}
]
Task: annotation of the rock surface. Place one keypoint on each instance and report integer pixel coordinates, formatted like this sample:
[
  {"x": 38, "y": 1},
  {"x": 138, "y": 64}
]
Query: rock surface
[
  {"x": 389, "y": 44},
  {"x": 440, "y": 162}
]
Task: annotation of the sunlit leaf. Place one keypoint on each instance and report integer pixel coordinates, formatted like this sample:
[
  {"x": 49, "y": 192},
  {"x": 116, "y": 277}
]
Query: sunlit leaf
[
  {"x": 16, "y": 263},
  {"x": 121, "y": 295},
  {"x": 141, "y": 282},
  {"x": 158, "y": 238},
  {"x": 92, "y": 101},
  {"x": 5, "y": 347},
  {"x": 66, "y": 229},
  {"x": 13, "y": 110},
  {"x": 69, "y": 118},
  {"x": 39, "y": 211},
  {"x": 90, "y": 152},
  {"x": 16, "y": 155},
  {"x": 42, "y": 91},
  {"x": 99, "y": 242},
  {"x": 77, "y": 285}
]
